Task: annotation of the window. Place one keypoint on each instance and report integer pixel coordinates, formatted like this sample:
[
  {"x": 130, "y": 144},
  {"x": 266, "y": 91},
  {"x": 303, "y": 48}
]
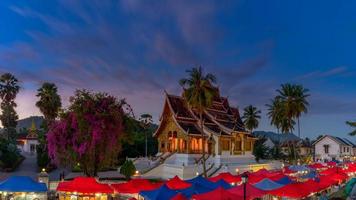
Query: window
[
  {"x": 344, "y": 149},
  {"x": 326, "y": 148},
  {"x": 348, "y": 150}
]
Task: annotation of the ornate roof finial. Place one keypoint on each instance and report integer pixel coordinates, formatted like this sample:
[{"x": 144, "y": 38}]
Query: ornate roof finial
[{"x": 32, "y": 131}]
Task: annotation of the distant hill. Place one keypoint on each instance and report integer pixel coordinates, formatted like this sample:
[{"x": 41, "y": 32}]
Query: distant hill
[
  {"x": 276, "y": 137},
  {"x": 27, "y": 122}
]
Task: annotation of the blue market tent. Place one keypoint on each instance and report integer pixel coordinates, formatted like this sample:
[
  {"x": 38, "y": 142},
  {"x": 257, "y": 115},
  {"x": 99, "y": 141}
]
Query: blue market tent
[
  {"x": 196, "y": 188},
  {"x": 299, "y": 168},
  {"x": 22, "y": 184},
  {"x": 203, "y": 181},
  {"x": 284, "y": 180},
  {"x": 201, "y": 185},
  {"x": 311, "y": 174},
  {"x": 223, "y": 184},
  {"x": 267, "y": 184},
  {"x": 162, "y": 192}
]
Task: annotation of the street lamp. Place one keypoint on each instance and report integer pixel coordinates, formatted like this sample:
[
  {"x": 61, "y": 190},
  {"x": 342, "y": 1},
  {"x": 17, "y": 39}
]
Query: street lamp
[{"x": 244, "y": 179}]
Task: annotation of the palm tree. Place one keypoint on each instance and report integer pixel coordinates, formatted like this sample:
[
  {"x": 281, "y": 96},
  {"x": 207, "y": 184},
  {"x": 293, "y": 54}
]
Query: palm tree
[
  {"x": 146, "y": 121},
  {"x": 352, "y": 124},
  {"x": 287, "y": 97},
  {"x": 199, "y": 93},
  {"x": 49, "y": 102},
  {"x": 250, "y": 117},
  {"x": 9, "y": 88},
  {"x": 301, "y": 103},
  {"x": 294, "y": 100},
  {"x": 275, "y": 113}
]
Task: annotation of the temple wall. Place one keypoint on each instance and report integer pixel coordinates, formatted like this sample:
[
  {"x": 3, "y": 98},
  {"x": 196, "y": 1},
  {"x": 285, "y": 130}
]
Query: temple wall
[{"x": 169, "y": 125}]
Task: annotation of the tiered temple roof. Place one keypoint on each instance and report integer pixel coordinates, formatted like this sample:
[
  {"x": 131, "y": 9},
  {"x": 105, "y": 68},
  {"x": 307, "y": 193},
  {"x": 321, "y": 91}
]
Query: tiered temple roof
[{"x": 219, "y": 119}]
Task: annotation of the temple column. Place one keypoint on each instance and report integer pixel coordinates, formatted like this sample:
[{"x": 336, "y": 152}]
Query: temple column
[
  {"x": 232, "y": 147},
  {"x": 187, "y": 148},
  {"x": 243, "y": 144}
]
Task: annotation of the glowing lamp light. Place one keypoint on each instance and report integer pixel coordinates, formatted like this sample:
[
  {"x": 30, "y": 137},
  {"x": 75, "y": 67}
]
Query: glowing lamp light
[
  {"x": 197, "y": 173},
  {"x": 43, "y": 170},
  {"x": 237, "y": 170},
  {"x": 244, "y": 178}
]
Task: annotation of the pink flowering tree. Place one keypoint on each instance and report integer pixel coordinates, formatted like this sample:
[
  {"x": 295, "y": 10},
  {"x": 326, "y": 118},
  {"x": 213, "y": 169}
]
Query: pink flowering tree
[{"x": 88, "y": 132}]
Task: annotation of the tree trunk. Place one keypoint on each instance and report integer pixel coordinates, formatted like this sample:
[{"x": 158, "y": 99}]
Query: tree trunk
[
  {"x": 203, "y": 141},
  {"x": 146, "y": 143},
  {"x": 298, "y": 128}
]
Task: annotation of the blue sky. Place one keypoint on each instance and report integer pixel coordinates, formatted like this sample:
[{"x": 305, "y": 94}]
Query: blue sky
[{"x": 137, "y": 49}]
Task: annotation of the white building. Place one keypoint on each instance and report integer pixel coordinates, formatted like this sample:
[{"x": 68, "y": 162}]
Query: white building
[
  {"x": 333, "y": 148},
  {"x": 29, "y": 142}
]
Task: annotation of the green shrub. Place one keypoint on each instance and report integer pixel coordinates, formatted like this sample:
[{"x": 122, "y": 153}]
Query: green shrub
[
  {"x": 9, "y": 159},
  {"x": 128, "y": 169},
  {"x": 42, "y": 157},
  {"x": 260, "y": 151}
]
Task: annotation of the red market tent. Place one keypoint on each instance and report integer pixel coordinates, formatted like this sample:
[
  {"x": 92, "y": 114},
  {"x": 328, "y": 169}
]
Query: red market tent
[
  {"x": 217, "y": 194},
  {"x": 311, "y": 186},
  {"x": 275, "y": 176},
  {"x": 135, "y": 186},
  {"x": 332, "y": 170},
  {"x": 84, "y": 185},
  {"x": 251, "y": 191},
  {"x": 339, "y": 177},
  {"x": 325, "y": 182},
  {"x": 227, "y": 177},
  {"x": 179, "y": 197},
  {"x": 262, "y": 171},
  {"x": 331, "y": 164},
  {"x": 177, "y": 184},
  {"x": 294, "y": 190}
]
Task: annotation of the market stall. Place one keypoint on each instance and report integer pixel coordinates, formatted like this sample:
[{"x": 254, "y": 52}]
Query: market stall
[
  {"x": 84, "y": 188},
  {"x": 227, "y": 177},
  {"x": 177, "y": 184},
  {"x": 217, "y": 194},
  {"x": 21, "y": 188},
  {"x": 161, "y": 193}
]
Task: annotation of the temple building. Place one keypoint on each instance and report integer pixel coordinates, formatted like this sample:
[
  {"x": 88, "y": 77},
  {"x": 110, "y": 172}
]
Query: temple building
[
  {"x": 179, "y": 130},
  {"x": 29, "y": 142}
]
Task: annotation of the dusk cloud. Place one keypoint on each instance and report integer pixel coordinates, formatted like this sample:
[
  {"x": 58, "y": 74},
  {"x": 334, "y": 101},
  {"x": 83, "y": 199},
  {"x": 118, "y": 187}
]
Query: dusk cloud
[{"x": 136, "y": 49}]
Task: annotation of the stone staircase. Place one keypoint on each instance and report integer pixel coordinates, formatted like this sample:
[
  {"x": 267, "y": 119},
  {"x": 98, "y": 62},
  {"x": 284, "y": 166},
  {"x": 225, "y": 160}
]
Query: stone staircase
[{"x": 156, "y": 162}]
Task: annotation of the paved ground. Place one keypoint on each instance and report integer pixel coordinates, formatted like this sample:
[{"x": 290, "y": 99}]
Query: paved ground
[{"x": 29, "y": 168}]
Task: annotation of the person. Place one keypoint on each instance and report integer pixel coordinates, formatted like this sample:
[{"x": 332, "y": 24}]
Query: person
[{"x": 323, "y": 196}]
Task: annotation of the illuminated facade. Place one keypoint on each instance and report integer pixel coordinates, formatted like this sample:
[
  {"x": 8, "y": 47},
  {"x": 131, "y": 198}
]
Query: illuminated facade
[
  {"x": 224, "y": 133},
  {"x": 29, "y": 142}
]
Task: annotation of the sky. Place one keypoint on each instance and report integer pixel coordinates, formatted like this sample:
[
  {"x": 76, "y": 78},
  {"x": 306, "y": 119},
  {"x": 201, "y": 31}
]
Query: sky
[{"x": 138, "y": 49}]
